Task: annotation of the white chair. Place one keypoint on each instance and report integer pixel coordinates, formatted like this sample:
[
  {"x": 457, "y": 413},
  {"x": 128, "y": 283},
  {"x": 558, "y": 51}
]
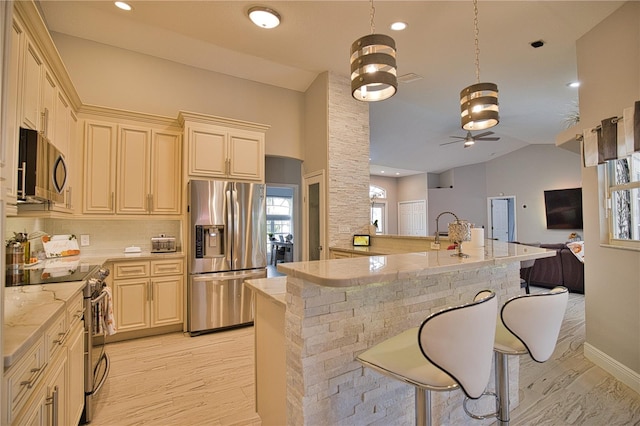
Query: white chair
[
  {"x": 451, "y": 349},
  {"x": 530, "y": 324}
]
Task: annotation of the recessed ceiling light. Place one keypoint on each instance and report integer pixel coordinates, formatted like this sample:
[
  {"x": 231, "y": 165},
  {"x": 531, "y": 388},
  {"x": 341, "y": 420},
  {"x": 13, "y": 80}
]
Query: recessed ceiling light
[
  {"x": 381, "y": 171},
  {"x": 397, "y": 173},
  {"x": 264, "y": 17},
  {"x": 398, "y": 26},
  {"x": 574, "y": 84},
  {"x": 122, "y": 5}
]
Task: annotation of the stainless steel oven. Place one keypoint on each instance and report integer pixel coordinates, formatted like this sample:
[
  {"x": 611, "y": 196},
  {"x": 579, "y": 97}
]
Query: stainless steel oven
[{"x": 96, "y": 360}]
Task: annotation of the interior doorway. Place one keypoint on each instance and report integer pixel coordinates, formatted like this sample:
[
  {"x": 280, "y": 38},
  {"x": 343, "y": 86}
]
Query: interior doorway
[
  {"x": 282, "y": 222},
  {"x": 412, "y": 218},
  {"x": 502, "y": 218}
]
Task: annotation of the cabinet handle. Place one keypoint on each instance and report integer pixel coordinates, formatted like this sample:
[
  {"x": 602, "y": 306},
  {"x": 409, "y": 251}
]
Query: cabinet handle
[
  {"x": 69, "y": 193},
  {"x": 112, "y": 205},
  {"x": 32, "y": 380},
  {"x": 53, "y": 401},
  {"x": 61, "y": 338},
  {"x": 23, "y": 180}
]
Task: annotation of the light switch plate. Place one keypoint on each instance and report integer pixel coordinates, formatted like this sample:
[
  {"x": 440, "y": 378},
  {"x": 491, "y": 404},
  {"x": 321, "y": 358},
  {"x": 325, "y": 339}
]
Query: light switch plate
[{"x": 84, "y": 240}]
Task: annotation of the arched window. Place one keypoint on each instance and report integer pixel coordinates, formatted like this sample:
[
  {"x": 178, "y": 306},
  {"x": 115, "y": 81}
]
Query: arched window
[
  {"x": 378, "y": 197},
  {"x": 376, "y": 192}
]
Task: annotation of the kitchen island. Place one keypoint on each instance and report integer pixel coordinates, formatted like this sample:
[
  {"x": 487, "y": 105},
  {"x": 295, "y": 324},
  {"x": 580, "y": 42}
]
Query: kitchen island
[{"x": 335, "y": 309}]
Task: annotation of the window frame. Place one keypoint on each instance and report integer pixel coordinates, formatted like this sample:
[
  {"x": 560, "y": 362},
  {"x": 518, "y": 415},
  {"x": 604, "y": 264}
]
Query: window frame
[{"x": 610, "y": 187}]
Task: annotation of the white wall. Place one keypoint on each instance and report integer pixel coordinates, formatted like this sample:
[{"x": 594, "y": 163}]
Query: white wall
[
  {"x": 609, "y": 69},
  {"x": 122, "y": 79},
  {"x": 526, "y": 174},
  {"x": 467, "y": 199}
]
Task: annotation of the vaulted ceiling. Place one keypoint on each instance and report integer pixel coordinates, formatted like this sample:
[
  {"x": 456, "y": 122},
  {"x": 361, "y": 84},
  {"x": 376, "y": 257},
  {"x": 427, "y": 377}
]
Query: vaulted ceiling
[{"x": 408, "y": 129}]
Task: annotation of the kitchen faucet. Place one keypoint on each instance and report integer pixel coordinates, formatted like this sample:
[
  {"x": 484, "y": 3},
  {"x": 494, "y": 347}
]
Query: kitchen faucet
[{"x": 437, "y": 240}]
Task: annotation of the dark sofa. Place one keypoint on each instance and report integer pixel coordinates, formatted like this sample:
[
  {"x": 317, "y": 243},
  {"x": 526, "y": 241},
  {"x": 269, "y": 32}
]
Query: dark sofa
[{"x": 562, "y": 269}]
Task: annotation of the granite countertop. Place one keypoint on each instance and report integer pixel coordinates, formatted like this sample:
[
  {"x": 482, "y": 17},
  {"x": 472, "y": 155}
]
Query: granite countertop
[
  {"x": 274, "y": 288},
  {"x": 28, "y": 311},
  {"x": 365, "y": 270},
  {"x": 368, "y": 251}
]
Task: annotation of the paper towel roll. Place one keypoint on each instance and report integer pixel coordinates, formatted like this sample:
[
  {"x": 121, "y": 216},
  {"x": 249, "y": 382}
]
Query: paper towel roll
[{"x": 477, "y": 237}]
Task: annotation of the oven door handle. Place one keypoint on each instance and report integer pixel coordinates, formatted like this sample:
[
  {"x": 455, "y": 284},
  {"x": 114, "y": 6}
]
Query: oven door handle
[
  {"x": 107, "y": 367},
  {"x": 99, "y": 298}
]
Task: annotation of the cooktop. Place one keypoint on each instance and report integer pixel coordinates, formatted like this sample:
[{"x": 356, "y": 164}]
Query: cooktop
[{"x": 45, "y": 275}]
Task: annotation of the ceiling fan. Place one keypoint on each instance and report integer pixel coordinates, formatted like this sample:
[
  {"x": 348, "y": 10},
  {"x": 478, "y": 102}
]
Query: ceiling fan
[{"x": 470, "y": 140}]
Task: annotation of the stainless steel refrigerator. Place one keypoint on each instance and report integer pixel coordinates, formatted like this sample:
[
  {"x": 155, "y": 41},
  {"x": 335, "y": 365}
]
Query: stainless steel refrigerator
[{"x": 228, "y": 244}]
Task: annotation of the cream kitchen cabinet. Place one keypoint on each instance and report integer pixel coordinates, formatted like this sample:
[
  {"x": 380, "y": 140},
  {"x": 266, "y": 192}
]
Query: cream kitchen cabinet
[
  {"x": 148, "y": 294},
  {"x": 99, "y": 167},
  {"x": 31, "y": 86},
  {"x": 131, "y": 169},
  {"x": 48, "y": 380},
  {"x": 148, "y": 171},
  {"x": 224, "y": 148},
  {"x": 17, "y": 38}
]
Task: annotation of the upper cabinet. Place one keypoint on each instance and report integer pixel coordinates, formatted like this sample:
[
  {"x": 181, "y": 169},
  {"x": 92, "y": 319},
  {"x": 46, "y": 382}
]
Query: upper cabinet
[
  {"x": 223, "y": 148},
  {"x": 132, "y": 168},
  {"x": 40, "y": 96}
]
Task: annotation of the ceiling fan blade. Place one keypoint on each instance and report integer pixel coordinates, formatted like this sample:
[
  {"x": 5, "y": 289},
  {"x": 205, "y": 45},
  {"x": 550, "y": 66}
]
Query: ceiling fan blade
[
  {"x": 449, "y": 143},
  {"x": 480, "y": 135},
  {"x": 487, "y": 139},
  {"x": 458, "y": 137}
]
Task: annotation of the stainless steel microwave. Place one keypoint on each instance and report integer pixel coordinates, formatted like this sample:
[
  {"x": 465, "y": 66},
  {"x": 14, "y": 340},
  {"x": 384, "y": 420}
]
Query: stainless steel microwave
[{"x": 42, "y": 171}]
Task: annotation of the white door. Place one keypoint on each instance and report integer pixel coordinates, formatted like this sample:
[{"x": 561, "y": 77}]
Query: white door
[
  {"x": 314, "y": 216},
  {"x": 412, "y": 218},
  {"x": 500, "y": 219}
]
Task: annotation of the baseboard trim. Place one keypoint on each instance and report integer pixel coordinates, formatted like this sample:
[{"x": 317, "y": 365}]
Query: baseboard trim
[{"x": 613, "y": 367}]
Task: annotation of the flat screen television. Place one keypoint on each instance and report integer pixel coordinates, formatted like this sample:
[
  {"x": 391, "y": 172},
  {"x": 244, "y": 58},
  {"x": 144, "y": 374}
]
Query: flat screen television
[{"x": 563, "y": 208}]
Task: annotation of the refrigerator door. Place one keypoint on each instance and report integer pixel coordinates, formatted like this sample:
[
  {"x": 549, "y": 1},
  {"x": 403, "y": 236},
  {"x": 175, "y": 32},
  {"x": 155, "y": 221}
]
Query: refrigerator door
[
  {"x": 220, "y": 300},
  {"x": 249, "y": 236},
  {"x": 210, "y": 220}
]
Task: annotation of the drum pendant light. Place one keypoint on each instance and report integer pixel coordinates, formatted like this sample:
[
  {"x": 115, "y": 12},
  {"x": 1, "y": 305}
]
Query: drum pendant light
[
  {"x": 373, "y": 66},
  {"x": 479, "y": 102}
]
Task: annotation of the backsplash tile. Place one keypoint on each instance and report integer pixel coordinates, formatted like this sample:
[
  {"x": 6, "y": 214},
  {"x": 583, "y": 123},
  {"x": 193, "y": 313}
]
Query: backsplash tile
[{"x": 104, "y": 234}]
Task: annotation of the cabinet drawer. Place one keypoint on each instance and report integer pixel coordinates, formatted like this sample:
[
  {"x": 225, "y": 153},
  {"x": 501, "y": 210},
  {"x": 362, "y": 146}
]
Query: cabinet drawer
[
  {"x": 22, "y": 379},
  {"x": 55, "y": 334},
  {"x": 166, "y": 267},
  {"x": 130, "y": 270}
]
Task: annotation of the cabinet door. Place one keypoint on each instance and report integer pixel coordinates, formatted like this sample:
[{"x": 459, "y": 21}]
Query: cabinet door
[
  {"x": 49, "y": 101},
  {"x": 60, "y": 137},
  {"x": 13, "y": 119},
  {"x": 31, "y": 87},
  {"x": 166, "y": 300},
  {"x": 132, "y": 304},
  {"x": 207, "y": 151},
  {"x": 99, "y": 163},
  {"x": 246, "y": 155},
  {"x": 57, "y": 392},
  {"x": 75, "y": 396},
  {"x": 166, "y": 172},
  {"x": 134, "y": 151}
]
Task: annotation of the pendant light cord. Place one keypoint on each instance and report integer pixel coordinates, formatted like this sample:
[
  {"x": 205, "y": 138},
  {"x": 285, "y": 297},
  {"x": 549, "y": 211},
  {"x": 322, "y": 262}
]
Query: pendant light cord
[
  {"x": 476, "y": 35},
  {"x": 372, "y": 15}
]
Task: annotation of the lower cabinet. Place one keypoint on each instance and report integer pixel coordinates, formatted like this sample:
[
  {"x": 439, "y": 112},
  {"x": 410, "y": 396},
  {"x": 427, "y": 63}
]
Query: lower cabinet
[
  {"x": 148, "y": 294},
  {"x": 46, "y": 387}
]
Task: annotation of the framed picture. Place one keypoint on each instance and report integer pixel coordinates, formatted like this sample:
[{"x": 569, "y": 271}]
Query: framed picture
[{"x": 361, "y": 240}]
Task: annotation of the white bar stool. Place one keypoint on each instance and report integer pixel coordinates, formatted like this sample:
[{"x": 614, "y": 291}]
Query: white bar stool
[
  {"x": 451, "y": 349},
  {"x": 530, "y": 324}
]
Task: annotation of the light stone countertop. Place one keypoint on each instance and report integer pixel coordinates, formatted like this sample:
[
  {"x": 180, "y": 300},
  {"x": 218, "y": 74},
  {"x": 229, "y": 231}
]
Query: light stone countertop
[
  {"x": 28, "y": 311},
  {"x": 274, "y": 288},
  {"x": 369, "y": 269}
]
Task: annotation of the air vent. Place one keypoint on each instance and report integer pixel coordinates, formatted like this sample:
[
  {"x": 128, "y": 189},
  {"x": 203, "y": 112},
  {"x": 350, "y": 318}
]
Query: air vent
[{"x": 409, "y": 78}]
